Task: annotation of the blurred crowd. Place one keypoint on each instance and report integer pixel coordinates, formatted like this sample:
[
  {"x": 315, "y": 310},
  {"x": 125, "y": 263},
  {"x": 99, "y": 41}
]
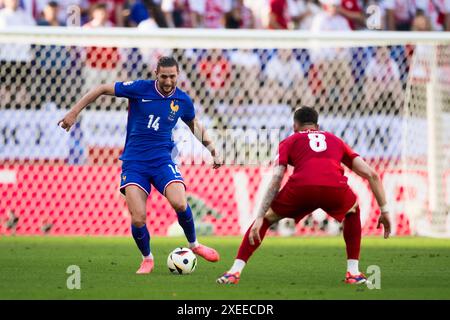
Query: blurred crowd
[{"x": 316, "y": 15}]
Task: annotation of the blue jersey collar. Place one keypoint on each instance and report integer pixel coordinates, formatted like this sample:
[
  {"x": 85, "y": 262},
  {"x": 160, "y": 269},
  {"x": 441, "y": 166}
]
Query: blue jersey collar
[{"x": 161, "y": 94}]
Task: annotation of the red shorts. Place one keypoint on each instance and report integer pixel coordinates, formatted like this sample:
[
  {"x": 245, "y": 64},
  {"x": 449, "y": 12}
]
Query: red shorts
[{"x": 296, "y": 202}]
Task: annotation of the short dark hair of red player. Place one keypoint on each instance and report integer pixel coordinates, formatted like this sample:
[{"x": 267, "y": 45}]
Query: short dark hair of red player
[
  {"x": 167, "y": 62},
  {"x": 306, "y": 115}
]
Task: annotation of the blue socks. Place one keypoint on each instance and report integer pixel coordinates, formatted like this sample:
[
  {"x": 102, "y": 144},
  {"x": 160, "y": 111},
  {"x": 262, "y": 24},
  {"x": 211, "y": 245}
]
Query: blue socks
[
  {"x": 142, "y": 238},
  {"x": 186, "y": 221}
]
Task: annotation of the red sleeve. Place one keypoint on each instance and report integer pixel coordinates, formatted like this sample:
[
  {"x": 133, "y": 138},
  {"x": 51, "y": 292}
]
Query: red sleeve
[
  {"x": 284, "y": 149},
  {"x": 348, "y": 156}
]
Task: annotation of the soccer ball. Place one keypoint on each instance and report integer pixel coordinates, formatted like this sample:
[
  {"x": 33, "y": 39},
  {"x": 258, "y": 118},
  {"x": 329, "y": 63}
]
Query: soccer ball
[{"x": 182, "y": 261}]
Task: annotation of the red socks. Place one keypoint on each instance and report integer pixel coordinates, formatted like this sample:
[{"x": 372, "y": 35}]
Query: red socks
[
  {"x": 352, "y": 234},
  {"x": 246, "y": 249}
]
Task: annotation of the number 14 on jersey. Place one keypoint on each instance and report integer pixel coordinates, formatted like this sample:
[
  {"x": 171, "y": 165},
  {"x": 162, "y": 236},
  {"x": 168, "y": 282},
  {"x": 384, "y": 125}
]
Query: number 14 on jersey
[{"x": 153, "y": 124}]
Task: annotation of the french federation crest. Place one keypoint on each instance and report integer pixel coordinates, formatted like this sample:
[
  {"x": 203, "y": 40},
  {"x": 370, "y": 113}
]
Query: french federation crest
[{"x": 173, "y": 110}]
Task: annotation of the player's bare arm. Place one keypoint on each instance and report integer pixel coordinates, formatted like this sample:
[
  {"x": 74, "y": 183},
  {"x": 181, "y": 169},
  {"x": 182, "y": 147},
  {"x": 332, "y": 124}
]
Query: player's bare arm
[
  {"x": 71, "y": 116},
  {"x": 271, "y": 192},
  {"x": 199, "y": 131},
  {"x": 361, "y": 168}
]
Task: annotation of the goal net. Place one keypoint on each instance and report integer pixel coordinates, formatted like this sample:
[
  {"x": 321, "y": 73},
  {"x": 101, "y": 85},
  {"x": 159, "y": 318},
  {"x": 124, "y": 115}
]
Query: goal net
[{"x": 386, "y": 94}]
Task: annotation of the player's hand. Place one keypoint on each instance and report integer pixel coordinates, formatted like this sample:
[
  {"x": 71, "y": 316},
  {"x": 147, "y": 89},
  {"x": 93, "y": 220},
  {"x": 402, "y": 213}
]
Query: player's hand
[
  {"x": 218, "y": 161},
  {"x": 253, "y": 236},
  {"x": 384, "y": 220},
  {"x": 67, "y": 122}
]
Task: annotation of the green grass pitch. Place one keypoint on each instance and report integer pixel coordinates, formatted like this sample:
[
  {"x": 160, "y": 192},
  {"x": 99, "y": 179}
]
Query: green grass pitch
[{"x": 283, "y": 268}]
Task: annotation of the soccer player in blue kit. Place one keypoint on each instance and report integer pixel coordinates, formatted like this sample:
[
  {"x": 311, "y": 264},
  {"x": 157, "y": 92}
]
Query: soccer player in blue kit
[{"x": 154, "y": 108}]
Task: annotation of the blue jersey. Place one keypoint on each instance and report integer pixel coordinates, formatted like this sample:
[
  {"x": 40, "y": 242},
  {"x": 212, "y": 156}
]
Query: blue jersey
[{"x": 151, "y": 118}]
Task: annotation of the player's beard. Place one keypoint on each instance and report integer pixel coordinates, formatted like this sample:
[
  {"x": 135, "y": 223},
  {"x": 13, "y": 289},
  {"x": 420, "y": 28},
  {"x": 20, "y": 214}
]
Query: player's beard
[{"x": 166, "y": 89}]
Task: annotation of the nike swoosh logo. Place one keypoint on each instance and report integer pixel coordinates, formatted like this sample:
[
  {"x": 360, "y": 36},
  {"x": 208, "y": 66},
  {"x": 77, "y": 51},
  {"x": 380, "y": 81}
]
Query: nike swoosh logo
[{"x": 145, "y": 100}]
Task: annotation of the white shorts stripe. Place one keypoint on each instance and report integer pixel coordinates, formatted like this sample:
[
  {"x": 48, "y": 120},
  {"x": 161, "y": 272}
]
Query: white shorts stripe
[
  {"x": 171, "y": 181},
  {"x": 132, "y": 183}
]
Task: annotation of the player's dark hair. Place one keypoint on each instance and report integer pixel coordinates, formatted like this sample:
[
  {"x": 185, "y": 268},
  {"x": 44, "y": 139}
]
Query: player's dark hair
[
  {"x": 306, "y": 115},
  {"x": 53, "y": 4},
  {"x": 167, "y": 62}
]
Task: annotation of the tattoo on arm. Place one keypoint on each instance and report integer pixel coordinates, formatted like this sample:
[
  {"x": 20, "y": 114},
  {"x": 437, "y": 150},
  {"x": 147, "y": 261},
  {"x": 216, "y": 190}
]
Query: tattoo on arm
[{"x": 272, "y": 191}]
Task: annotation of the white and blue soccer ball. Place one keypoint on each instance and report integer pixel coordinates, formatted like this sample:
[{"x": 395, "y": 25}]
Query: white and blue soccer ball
[{"x": 182, "y": 261}]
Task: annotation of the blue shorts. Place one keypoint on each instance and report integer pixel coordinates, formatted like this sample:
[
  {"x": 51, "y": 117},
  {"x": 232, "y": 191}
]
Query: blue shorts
[{"x": 143, "y": 175}]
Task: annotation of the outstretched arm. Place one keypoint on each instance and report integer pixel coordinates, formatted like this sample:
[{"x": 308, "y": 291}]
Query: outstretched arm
[
  {"x": 71, "y": 116},
  {"x": 361, "y": 168},
  {"x": 271, "y": 192},
  {"x": 198, "y": 130}
]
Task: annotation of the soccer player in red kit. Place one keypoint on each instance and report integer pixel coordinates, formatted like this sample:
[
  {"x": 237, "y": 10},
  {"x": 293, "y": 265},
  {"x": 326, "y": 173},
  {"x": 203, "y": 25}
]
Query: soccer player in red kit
[{"x": 318, "y": 181}]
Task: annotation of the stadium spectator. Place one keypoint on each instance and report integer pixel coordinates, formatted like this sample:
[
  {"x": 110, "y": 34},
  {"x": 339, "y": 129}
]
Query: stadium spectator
[
  {"x": 399, "y": 14},
  {"x": 301, "y": 13},
  {"x": 72, "y": 12},
  {"x": 183, "y": 13},
  {"x": 99, "y": 16},
  {"x": 173, "y": 12},
  {"x": 135, "y": 12},
  {"x": 332, "y": 76},
  {"x": 278, "y": 14},
  {"x": 329, "y": 19},
  {"x": 240, "y": 16},
  {"x": 421, "y": 22},
  {"x": 260, "y": 10},
  {"x": 382, "y": 87},
  {"x": 214, "y": 14},
  {"x": 445, "y": 15},
  {"x": 114, "y": 9},
  {"x": 148, "y": 24},
  {"x": 156, "y": 12},
  {"x": 438, "y": 11},
  {"x": 353, "y": 12},
  {"x": 33, "y": 7},
  {"x": 50, "y": 15},
  {"x": 13, "y": 15},
  {"x": 178, "y": 13}
]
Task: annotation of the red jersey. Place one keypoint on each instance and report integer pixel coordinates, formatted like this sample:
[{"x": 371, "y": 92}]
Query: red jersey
[
  {"x": 279, "y": 8},
  {"x": 316, "y": 157},
  {"x": 351, "y": 5}
]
